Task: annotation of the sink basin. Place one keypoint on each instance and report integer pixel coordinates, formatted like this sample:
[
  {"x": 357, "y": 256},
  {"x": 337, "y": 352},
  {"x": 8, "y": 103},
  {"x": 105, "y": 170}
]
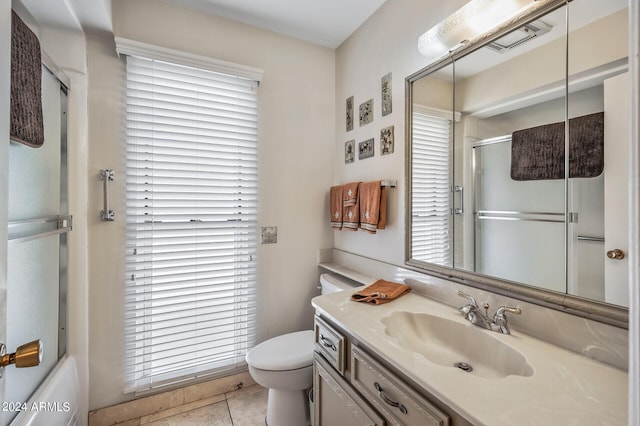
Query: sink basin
[{"x": 456, "y": 345}]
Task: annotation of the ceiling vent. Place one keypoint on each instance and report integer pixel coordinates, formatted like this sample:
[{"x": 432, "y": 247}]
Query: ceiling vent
[{"x": 519, "y": 36}]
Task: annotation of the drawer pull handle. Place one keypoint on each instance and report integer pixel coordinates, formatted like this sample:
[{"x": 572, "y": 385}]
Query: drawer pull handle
[
  {"x": 388, "y": 400},
  {"x": 327, "y": 343}
]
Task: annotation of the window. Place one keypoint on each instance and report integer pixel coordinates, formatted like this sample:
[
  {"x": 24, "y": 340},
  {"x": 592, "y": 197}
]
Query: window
[
  {"x": 191, "y": 186},
  {"x": 430, "y": 174}
]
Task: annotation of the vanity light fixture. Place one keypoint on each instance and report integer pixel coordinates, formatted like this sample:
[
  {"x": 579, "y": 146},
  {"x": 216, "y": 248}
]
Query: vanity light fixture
[{"x": 468, "y": 22}]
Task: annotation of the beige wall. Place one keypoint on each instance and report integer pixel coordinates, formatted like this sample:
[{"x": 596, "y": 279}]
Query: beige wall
[
  {"x": 387, "y": 42},
  {"x": 296, "y": 125}
]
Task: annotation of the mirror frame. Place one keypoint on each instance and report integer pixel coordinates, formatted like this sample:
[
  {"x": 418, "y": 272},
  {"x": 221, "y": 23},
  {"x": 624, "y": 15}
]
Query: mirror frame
[{"x": 591, "y": 309}]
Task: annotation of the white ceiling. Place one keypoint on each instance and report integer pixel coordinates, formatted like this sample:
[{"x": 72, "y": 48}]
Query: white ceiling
[{"x": 324, "y": 22}]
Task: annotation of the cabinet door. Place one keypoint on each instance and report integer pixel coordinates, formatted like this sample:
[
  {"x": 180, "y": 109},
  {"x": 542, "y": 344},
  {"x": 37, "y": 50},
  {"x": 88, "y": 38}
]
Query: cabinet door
[{"x": 336, "y": 404}]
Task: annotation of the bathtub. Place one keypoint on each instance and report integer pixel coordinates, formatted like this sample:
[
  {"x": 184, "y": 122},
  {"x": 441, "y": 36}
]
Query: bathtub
[{"x": 56, "y": 401}]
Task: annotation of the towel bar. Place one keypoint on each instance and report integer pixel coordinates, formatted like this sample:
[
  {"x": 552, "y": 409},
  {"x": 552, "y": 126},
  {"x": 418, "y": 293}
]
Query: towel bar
[
  {"x": 520, "y": 216},
  {"x": 587, "y": 238},
  {"x": 21, "y": 231},
  {"x": 388, "y": 183}
]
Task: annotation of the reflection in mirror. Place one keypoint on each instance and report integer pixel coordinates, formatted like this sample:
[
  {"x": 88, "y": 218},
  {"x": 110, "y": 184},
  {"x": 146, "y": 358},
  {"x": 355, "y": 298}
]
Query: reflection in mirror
[
  {"x": 432, "y": 139},
  {"x": 492, "y": 179},
  {"x": 516, "y": 228},
  {"x": 598, "y": 83}
]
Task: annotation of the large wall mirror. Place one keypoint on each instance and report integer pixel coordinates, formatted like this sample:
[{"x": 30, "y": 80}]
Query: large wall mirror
[{"x": 517, "y": 159}]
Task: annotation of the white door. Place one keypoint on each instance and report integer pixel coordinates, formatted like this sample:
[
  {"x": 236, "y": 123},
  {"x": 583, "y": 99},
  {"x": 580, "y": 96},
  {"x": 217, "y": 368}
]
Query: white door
[{"x": 616, "y": 187}]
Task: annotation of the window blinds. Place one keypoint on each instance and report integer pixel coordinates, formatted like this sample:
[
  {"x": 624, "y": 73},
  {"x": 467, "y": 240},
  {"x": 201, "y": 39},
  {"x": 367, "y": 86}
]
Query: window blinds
[
  {"x": 191, "y": 204},
  {"x": 430, "y": 174}
]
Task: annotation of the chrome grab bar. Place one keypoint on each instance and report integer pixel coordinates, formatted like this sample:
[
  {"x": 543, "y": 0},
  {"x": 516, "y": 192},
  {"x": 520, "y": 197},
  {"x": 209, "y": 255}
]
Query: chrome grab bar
[
  {"x": 106, "y": 215},
  {"x": 460, "y": 189}
]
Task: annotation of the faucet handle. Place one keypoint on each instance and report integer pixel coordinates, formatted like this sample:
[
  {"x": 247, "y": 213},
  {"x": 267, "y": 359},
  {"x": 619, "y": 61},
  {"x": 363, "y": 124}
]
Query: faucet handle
[
  {"x": 502, "y": 309},
  {"x": 500, "y": 320},
  {"x": 470, "y": 298}
]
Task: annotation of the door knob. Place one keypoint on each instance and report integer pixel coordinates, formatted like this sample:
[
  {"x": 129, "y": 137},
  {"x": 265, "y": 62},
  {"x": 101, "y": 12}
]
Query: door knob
[
  {"x": 615, "y": 254},
  {"x": 27, "y": 355}
]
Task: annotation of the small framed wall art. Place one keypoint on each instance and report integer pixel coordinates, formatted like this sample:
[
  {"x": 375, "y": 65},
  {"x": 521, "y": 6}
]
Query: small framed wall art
[
  {"x": 349, "y": 151},
  {"x": 387, "y": 105},
  {"x": 349, "y": 113},
  {"x": 386, "y": 140},
  {"x": 366, "y": 112},
  {"x": 365, "y": 149}
]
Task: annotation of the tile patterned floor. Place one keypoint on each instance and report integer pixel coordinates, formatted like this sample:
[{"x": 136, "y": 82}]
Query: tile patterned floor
[{"x": 244, "y": 407}]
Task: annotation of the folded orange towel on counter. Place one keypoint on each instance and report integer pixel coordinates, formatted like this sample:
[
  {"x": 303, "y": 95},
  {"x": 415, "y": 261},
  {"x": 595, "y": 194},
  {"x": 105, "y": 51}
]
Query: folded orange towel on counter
[
  {"x": 380, "y": 292},
  {"x": 335, "y": 206}
]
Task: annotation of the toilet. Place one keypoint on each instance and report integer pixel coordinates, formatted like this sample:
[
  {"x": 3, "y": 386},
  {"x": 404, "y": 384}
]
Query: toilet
[{"x": 284, "y": 365}]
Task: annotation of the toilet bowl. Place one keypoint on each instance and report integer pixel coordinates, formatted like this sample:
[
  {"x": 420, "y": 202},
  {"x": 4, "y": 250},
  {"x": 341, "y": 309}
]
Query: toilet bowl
[{"x": 284, "y": 365}]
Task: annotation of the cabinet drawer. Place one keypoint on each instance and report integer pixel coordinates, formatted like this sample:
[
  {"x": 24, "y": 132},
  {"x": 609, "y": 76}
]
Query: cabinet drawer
[
  {"x": 399, "y": 404},
  {"x": 331, "y": 344}
]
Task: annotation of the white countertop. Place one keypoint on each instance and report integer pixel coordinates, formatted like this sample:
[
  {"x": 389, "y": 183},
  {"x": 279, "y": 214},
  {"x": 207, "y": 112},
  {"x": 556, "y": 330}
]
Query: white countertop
[{"x": 565, "y": 389}]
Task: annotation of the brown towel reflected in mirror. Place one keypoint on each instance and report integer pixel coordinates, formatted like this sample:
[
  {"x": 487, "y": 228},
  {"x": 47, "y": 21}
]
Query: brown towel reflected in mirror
[{"x": 537, "y": 153}]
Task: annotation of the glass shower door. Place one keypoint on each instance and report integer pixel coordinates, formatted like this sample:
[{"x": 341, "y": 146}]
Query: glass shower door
[{"x": 36, "y": 259}]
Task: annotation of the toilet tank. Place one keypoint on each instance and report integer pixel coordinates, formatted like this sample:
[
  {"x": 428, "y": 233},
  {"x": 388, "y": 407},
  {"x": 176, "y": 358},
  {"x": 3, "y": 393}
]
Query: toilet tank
[{"x": 332, "y": 284}]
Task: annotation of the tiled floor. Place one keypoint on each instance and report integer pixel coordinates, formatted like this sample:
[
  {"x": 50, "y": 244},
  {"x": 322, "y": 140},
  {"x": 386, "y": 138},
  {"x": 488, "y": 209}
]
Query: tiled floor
[{"x": 244, "y": 407}]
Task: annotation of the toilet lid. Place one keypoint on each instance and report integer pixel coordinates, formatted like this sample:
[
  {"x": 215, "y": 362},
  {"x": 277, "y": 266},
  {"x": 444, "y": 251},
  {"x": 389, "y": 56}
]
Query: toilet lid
[{"x": 286, "y": 352}]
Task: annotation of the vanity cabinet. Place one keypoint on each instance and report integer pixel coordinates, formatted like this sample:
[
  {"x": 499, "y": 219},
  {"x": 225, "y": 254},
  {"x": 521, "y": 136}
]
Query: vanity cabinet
[{"x": 352, "y": 387}]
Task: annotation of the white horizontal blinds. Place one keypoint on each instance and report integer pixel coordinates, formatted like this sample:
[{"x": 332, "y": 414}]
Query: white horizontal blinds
[
  {"x": 191, "y": 222},
  {"x": 430, "y": 173}
]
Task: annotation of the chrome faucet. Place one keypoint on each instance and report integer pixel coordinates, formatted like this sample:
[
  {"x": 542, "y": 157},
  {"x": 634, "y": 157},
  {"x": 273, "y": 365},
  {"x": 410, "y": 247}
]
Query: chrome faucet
[{"x": 475, "y": 316}]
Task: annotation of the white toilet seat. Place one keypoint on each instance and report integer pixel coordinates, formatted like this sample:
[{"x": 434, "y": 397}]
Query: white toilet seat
[{"x": 286, "y": 352}]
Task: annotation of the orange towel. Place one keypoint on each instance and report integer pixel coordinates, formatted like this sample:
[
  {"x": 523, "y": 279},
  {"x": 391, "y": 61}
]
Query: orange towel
[
  {"x": 351, "y": 212},
  {"x": 335, "y": 206},
  {"x": 373, "y": 206},
  {"x": 380, "y": 292},
  {"x": 382, "y": 221},
  {"x": 350, "y": 193}
]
